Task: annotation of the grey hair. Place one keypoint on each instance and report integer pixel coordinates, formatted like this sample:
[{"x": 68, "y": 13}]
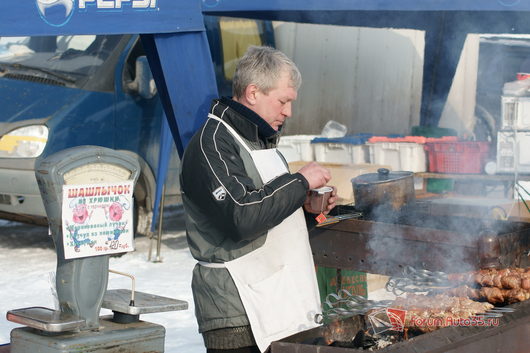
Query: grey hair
[{"x": 263, "y": 66}]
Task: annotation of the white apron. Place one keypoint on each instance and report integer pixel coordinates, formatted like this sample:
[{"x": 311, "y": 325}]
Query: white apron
[{"x": 276, "y": 282}]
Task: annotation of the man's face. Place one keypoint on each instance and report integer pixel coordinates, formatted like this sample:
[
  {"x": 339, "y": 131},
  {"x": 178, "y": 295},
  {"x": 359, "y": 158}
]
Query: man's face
[{"x": 275, "y": 106}]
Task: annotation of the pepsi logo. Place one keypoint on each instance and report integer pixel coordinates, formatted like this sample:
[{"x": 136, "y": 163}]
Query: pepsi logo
[
  {"x": 55, "y": 12},
  {"x": 58, "y": 12}
]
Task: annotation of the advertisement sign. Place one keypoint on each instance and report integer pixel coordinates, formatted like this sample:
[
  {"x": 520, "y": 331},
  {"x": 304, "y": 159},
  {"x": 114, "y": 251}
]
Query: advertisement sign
[
  {"x": 64, "y": 17},
  {"x": 97, "y": 219}
]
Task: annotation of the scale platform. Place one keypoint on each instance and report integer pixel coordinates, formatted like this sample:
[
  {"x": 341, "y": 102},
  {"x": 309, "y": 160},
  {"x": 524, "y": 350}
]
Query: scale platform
[
  {"x": 118, "y": 300},
  {"x": 136, "y": 337},
  {"x": 45, "y": 319}
]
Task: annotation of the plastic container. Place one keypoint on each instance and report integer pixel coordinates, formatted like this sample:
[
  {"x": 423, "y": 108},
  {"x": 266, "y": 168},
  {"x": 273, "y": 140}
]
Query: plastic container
[
  {"x": 297, "y": 148},
  {"x": 432, "y": 131},
  {"x": 516, "y": 88},
  {"x": 333, "y": 129},
  {"x": 440, "y": 186},
  {"x": 405, "y": 156},
  {"x": 513, "y": 151},
  {"x": 345, "y": 150},
  {"x": 415, "y": 139},
  {"x": 457, "y": 157},
  {"x": 515, "y": 112}
]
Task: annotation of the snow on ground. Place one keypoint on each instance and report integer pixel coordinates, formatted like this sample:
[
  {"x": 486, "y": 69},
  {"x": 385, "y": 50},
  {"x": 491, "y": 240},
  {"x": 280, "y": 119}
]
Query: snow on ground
[{"x": 27, "y": 257}]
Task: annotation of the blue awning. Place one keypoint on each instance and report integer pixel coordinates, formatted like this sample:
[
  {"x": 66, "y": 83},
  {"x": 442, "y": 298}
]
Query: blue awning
[
  {"x": 317, "y": 6},
  {"x": 45, "y": 17}
]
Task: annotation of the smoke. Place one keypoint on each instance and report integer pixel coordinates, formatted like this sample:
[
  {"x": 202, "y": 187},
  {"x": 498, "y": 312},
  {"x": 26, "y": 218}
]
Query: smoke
[{"x": 426, "y": 241}]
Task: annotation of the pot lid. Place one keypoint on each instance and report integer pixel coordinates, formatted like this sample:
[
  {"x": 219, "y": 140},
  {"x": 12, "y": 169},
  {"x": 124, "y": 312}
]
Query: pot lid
[{"x": 383, "y": 175}]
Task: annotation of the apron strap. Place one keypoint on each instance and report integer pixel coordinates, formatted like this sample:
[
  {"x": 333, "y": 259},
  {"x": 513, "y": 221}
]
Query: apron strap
[
  {"x": 212, "y": 264},
  {"x": 232, "y": 131}
]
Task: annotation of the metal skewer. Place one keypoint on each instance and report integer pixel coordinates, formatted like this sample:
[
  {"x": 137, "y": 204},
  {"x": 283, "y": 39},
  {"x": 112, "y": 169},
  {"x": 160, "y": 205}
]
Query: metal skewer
[
  {"x": 414, "y": 281},
  {"x": 344, "y": 304}
]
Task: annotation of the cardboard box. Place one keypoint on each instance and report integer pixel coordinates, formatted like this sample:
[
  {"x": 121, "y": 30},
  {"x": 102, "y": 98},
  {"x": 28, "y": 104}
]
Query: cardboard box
[
  {"x": 517, "y": 211},
  {"x": 376, "y": 281},
  {"x": 330, "y": 280},
  {"x": 341, "y": 175}
]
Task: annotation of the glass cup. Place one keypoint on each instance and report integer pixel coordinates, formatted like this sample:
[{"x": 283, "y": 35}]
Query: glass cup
[{"x": 319, "y": 198}]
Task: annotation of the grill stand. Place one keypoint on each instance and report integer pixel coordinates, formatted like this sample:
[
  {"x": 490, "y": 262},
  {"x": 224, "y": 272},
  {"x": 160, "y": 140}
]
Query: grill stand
[
  {"x": 510, "y": 336},
  {"x": 421, "y": 241}
]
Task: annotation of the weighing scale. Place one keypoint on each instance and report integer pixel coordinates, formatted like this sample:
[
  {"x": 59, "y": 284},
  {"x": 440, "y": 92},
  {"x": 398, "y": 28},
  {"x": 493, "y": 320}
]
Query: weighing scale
[{"x": 81, "y": 283}]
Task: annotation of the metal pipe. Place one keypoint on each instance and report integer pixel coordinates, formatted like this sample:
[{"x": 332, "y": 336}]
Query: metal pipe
[
  {"x": 133, "y": 280},
  {"x": 160, "y": 219},
  {"x": 159, "y": 229},
  {"x": 151, "y": 235}
]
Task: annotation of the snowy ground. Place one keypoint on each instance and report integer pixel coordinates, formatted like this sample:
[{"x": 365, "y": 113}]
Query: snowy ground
[{"x": 27, "y": 258}]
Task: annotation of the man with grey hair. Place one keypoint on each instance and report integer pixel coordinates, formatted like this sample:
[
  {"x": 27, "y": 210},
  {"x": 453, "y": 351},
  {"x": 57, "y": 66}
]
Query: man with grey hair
[{"x": 255, "y": 280}]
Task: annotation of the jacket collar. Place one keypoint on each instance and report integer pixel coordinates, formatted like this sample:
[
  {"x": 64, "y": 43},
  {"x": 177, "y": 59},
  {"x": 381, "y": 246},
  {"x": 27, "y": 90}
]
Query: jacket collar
[{"x": 246, "y": 122}]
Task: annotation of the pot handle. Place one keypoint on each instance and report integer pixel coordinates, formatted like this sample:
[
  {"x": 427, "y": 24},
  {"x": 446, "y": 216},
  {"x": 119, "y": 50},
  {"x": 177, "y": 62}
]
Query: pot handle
[{"x": 383, "y": 173}]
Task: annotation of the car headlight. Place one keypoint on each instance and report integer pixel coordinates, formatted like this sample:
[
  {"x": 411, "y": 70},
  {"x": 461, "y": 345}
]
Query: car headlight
[{"x": 24, "y": 142}]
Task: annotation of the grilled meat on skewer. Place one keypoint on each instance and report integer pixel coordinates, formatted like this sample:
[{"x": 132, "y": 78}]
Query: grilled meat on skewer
[
  {"x": 464, "y": 291},
  {"x": 492, "y": 295},
  {"x": 428, "y": 313},
  {"x": 509, "y": 278}
]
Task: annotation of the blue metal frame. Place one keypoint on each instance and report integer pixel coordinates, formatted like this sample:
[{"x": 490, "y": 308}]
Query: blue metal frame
[
  {"x": 369, "y": 5},
  {"x": 23, "y": 18}
]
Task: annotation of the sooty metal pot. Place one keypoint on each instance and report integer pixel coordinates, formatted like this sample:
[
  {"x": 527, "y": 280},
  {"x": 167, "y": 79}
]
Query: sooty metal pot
[{"x": 382, "y": 192}]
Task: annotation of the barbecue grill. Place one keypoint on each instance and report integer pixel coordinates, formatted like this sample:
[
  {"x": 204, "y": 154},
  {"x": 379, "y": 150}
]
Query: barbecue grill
[
  {"x": 509, "y": 336},
  {"x": 418, "y": 239}
]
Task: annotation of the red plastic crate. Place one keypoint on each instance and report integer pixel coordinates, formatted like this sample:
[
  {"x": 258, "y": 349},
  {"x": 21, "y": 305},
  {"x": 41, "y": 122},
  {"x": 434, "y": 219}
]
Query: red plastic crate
[{"x": 457, "y": 157}]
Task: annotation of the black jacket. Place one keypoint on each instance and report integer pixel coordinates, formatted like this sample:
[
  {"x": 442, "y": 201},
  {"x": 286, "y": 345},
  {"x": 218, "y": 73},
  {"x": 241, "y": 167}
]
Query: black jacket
[{"x": 228, "y": 208}]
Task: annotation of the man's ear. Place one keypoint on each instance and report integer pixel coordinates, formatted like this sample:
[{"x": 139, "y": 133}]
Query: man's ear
[{"x": 250, "y": 94}]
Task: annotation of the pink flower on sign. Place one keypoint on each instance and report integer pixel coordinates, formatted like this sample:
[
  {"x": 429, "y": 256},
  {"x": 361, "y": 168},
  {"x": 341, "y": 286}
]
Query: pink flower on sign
[
  {"x": 115, "y": 212},
  {"x": 80, "y": 214}
]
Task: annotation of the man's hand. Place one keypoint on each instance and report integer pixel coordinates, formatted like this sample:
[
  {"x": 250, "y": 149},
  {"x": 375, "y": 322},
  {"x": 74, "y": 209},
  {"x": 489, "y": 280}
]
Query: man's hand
[
  {"x": 331, "y": 203},
  {"x": 315, "y": 174}
]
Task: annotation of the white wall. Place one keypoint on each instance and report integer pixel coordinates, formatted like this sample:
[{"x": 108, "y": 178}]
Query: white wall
[
  {"x": 459, "y": 111},
  {"x": 368, "y": 79}
]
